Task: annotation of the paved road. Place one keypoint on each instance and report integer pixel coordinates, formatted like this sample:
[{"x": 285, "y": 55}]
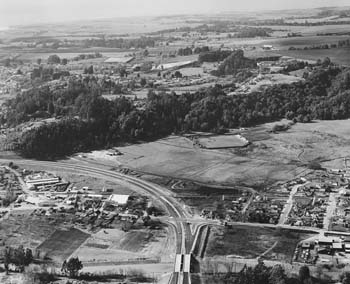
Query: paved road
[
  {"x": 289, "y": 205},
  {"x": 162, "y": 194},
  {"x": 330, "y": 210}
]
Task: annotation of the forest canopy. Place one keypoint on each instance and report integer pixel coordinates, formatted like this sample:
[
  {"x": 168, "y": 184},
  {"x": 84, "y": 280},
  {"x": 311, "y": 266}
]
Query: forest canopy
[{"x": 91, "y": 121}]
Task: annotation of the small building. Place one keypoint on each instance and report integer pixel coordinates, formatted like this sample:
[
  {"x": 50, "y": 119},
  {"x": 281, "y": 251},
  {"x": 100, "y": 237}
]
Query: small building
[
  {"x": 306, "y": 245},
  {"x": 267, "y": 47},
  {"x": 328, "y": 241},
  {"x": 337, "y": 246},
  {"x": 120, "y": 199},
  {"x": 173, "y": 66},
  {"x": 347, "y": 248}
]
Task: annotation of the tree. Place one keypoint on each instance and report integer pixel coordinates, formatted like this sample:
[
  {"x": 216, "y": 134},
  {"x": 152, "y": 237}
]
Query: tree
[
  {"x": 178, "y": 74},
  {"x": 7, "y": 62},
  {"x": 64, "y": 61},
  {"x": 17, "y": 256},
  {"x": 326, "y": 62},
  {"x": 143, "y": 82},
  {"x": 89, "y": 70},
  {"x": 304, "y": 273},
  {"x": 54, "y": 59},
  {"x": 277, "y": 275},
  {"x": 72, "y": 266},
  {"x": 38, "y": 61},
  {"x": 345, "y": 278}
]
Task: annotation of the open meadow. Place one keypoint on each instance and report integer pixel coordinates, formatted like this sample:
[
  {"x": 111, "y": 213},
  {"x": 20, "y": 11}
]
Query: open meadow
[
  {"x": 254, "y": 242},
  {"x": 271, "y": 157}
]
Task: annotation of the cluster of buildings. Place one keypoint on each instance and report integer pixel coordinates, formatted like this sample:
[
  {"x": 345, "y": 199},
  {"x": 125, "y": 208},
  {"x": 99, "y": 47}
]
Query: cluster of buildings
[
  {"x": 231, "y": 208},
  {"x": 264, "y": 209},
  {"x": 323, "y": 249},
  {"x": 308, "y": 212},
  {"x": 50, "y": 194}
]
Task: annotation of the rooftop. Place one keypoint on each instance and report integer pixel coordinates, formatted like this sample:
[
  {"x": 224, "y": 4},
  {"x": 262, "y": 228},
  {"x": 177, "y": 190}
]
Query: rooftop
[{"x": 119, "y": 59}]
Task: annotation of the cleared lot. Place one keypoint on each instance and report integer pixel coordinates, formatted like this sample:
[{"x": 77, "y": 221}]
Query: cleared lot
[{"x": 62, "y": 243}]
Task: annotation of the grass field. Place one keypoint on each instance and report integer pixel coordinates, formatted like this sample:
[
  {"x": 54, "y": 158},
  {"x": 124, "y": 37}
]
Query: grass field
[
  {"x": 270, "y": 158},
  {"x": 20, "y": 228},
  {"x": 222, "y": 141},
  {"x": 252, "y": 242},
  {"x": 248, "y": 242},
  {"x": 116, "y": 245},
  {"x": 62, "y": 243}
]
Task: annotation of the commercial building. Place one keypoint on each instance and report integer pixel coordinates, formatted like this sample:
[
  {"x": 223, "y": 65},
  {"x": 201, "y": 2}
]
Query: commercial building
[{"x": 119, "y": 199}]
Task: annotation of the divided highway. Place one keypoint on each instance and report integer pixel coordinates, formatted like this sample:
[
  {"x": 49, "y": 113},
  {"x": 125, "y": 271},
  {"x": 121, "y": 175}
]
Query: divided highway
[{"x": 185, "y": 238}]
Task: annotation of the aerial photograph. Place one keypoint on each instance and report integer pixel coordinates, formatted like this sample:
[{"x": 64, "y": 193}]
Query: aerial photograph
[{"x": 174, "y": 142}]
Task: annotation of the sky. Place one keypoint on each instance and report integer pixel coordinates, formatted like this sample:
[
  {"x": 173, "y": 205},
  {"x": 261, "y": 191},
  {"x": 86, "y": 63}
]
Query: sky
[{"x": 17, "y": 12}]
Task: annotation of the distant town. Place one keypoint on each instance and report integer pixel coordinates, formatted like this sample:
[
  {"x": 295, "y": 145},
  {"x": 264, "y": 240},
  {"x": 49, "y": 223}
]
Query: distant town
[{"x": 182, "y": 149}]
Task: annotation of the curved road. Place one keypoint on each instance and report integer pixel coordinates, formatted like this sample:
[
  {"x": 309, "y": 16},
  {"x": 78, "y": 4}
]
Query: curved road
[{"x": 163, "y": 195}]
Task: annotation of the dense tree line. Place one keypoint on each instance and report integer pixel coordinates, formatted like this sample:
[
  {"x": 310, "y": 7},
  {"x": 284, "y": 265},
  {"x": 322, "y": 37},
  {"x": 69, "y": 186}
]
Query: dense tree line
[
  {"x": 262, "y": 274},
  {"x": 213, "y": 56},
  {"x": 340, "y": 44},
  {"x": 47, "y": 73},
  {"x": 185, "y": 51},
  {"x": 194, "y": 50},
  {"x": 94, "y": 122},
  {"x": 19, "y": 257},
  {"x": 249, "y": 32},
  {"x": 282, "y": 22},
  {"x": 234, "y": 63}
]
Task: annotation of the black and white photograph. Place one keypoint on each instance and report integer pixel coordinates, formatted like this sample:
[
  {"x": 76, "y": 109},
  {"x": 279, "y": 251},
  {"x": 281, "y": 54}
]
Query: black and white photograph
[{"x": 174, "y": 142}]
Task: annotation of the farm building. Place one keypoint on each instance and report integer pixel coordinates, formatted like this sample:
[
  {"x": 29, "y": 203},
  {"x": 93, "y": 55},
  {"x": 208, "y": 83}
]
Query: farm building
[
  {"x": 119, "y": 199},
  {"x": 41, "y": 179},
  {"x": 267, "y": 47},
  {"x": 175, "y": 65},
  {"x": 119, "y": 60}
]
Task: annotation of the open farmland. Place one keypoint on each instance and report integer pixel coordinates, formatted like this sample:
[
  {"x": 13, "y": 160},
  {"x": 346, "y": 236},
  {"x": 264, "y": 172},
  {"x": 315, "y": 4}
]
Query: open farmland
[
  {"x": 336, "y": 55},
  {"x": 312, "y": 30},
  {"x": 62, "y": 243},
  {"x": 300, "y": 42},
  {"x": 20, "y": 228}
]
